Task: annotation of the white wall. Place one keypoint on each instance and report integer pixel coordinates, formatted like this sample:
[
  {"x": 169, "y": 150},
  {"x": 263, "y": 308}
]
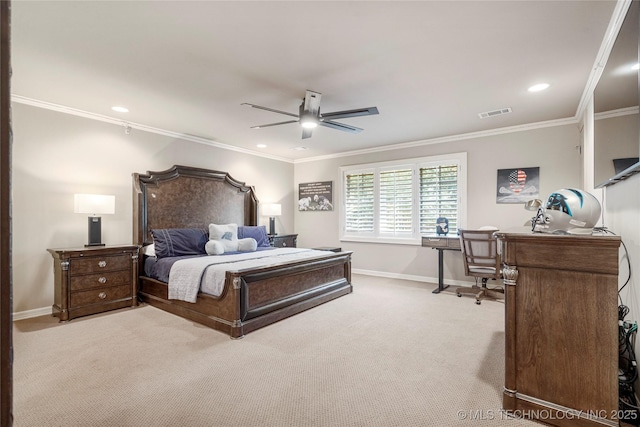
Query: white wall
[
  {"x": 553, "y": 149},
  {"x": 56, "y": 155},
  {"x": 622, "y": 216}
]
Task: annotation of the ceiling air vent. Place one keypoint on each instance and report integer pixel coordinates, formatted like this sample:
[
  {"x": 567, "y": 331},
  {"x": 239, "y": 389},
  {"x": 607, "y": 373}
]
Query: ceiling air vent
[{"x": 494, "y": 113}]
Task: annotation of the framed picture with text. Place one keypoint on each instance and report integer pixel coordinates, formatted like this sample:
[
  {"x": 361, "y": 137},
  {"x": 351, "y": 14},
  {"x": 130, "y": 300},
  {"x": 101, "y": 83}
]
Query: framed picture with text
[{"x": 315, "y": 196}]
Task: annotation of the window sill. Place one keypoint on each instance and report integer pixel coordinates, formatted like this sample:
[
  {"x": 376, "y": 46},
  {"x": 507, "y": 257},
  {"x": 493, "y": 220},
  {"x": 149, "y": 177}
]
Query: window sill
[{"x": 411, "y": 241}]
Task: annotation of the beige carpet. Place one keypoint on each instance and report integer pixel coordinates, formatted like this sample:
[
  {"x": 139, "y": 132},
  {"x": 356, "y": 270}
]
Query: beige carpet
[{"x": 390, "y": 354}]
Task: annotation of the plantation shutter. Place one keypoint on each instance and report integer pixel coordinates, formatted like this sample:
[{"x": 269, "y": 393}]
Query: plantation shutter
[
  {"x": 438, "y": 197},
  {"x": 396, "y": 202},
  {"x": 359, "y": 202}
]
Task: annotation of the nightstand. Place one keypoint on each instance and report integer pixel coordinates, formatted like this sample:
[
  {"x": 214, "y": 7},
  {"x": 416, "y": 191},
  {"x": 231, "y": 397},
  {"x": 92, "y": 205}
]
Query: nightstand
[
  {"x": 283, "y": 240},
  {"x": 92, "y": 280}
]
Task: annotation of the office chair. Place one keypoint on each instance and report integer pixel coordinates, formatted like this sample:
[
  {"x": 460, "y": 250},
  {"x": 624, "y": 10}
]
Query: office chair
[{"x": 482, "y": 261}]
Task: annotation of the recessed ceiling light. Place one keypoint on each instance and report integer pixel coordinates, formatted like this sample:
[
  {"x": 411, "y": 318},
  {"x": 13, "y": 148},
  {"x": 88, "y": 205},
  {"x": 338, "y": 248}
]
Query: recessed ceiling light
[
  {"x": 538, "y": 87},
  {"x": 120, "y": 109},
  {"x": 299, "y": 148},
  {"x": 261, "y": 145}
]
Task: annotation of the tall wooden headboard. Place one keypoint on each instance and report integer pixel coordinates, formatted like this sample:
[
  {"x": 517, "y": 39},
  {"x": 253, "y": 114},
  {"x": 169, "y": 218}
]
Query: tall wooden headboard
[{"x": 188, "y": 197}]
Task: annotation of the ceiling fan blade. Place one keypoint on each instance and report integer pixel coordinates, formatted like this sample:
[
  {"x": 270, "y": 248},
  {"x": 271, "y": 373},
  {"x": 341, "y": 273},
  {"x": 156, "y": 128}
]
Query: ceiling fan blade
[
  {"x": 274, "y": 124},
  {"x": 312, "y": 102},
  {"x": 306, "y": 133},
  {"x": 340, "y": 126},
  {"x": 269, "y": 109},
  {"x": 350, "y": 113}
]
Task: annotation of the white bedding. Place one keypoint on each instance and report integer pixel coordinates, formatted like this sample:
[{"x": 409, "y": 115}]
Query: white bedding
[{"x": 207, "y": 274}]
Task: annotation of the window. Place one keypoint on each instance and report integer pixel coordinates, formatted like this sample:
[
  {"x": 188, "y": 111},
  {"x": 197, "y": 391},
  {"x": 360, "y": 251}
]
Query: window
[{"x": 398, "y": 202}]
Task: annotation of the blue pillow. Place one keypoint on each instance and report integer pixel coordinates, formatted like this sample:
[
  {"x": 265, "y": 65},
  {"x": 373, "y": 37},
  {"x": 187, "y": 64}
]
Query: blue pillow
[
  {"x": 258, "y": 232},
  {"x": 171, "y": 242}
]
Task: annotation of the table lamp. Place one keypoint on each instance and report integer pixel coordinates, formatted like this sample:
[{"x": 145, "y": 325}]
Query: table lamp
[
  {"x": 272, "y": 210},
  {"x": 94, "y": 204}
]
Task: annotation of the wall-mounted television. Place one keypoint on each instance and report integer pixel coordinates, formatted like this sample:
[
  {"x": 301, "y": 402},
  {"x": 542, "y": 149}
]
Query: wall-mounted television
[{"x": 616, "y": 99}]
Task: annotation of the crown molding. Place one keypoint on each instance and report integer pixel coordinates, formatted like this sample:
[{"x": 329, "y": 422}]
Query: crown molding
[
  {"x": 450, "y": 138},
  {"x": 130, "y": 125}
]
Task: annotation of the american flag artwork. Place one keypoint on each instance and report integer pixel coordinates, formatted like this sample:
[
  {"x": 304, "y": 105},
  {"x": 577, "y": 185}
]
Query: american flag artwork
[
  {"x": 517, "y": 185},
  {"x": 517, "y": 179}
]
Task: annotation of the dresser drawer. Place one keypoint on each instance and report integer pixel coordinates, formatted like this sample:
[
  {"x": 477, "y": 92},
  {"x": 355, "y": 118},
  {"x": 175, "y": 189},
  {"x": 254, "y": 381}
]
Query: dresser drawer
[
  {"x": 98, "y": 264},
  {"x": 101, "y": 295},
  {"x": 91, "y": 281}
]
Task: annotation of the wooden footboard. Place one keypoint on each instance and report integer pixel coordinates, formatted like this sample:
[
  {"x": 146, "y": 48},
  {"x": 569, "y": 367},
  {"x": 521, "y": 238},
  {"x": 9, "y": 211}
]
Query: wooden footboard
[{"x": 254, "y": 298}]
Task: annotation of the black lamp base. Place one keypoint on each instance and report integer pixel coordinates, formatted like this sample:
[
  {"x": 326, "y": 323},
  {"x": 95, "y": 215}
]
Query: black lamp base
[
  {"x": 95, "y": 232},
  {"x": 272, "y": 225}
]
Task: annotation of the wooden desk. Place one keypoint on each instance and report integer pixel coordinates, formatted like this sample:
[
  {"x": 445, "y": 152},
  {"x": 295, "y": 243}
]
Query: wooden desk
[{"x": 441, "y": 244}]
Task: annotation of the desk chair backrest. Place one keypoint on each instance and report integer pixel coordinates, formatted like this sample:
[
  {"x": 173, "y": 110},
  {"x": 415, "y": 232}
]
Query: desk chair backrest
[{"x": 480, "y": 253}]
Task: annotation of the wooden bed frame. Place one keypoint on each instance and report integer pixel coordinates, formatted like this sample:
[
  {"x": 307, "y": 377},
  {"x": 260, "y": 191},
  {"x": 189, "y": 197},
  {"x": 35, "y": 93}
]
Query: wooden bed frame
[{"x": 188, "y": 197}]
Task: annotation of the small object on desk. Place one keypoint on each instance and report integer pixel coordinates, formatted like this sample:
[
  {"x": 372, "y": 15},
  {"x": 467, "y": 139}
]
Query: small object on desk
[
  {"x": 328, "y": 248},
  {"x": 283, "y": 240},
  {"x": 442, "y": 226},
  {"x": 441, "y": 243}
]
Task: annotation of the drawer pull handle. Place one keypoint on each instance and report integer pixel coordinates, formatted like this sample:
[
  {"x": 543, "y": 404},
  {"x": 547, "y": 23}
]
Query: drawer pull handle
[
  {"x": 102, "y": 280},
  {"x": 102, "y": 264},
  {"x": 102, "y": 295}
]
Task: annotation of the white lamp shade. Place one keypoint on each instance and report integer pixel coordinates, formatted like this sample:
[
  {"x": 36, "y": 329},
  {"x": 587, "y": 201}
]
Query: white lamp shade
[
  {"x": 94, "y": 204},
  {"x": 271, "y": 209}
]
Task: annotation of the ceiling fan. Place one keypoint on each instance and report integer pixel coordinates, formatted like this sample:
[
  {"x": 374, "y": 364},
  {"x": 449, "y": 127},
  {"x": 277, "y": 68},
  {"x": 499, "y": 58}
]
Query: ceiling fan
[{"x": 309, "y": 115}]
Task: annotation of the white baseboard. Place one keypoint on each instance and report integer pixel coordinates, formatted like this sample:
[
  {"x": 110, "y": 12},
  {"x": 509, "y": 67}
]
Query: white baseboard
[
  {"x": 433, "y": 280},
  {"x": 36, "y": 312}
]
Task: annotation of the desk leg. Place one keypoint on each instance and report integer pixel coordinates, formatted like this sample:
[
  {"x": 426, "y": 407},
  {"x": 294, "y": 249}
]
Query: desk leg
[{"x": 441, "y": 286}]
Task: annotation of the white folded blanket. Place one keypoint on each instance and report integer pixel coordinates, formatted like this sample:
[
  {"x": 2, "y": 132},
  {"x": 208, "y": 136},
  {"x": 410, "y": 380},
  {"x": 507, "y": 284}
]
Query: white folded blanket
[{"x": 207, "y": 274}]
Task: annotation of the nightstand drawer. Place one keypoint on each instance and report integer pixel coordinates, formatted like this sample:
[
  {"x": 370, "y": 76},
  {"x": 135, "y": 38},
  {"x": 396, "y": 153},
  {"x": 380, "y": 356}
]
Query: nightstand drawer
[
  {"x": 98, "y": 264},
  {"x": 98, "y": 296},
  {"x": 284, "y": 240},
  {"x": 90, "y": 281}
]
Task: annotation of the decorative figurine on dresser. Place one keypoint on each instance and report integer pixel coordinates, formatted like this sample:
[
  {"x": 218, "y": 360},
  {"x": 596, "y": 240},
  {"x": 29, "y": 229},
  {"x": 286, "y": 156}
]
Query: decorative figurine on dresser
[{"x": 93, "y": 280}]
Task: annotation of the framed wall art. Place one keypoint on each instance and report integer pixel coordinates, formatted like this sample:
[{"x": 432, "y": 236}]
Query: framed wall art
[
  {"x": 518, "y": 185},
  {"x": 315, "y": 196}
]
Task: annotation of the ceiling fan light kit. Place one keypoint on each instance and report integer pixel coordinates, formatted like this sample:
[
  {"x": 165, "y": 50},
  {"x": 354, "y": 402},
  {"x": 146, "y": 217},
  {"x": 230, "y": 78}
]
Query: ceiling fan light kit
[{"x": 309, "y": 115}]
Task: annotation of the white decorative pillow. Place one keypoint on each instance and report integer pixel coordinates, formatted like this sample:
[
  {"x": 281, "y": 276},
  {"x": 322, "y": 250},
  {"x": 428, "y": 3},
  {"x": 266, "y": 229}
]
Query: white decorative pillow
[
  {"x": 214, "y": 247},
  {"x": 226, "y": 234},
  {"x": 223, "y": 232},
  {"x": 248, "y": 244}
]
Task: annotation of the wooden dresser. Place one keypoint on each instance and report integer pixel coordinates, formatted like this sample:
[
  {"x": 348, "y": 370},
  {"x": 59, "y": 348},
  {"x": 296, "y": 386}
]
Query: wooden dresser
[
  {"x": 92, "y": 280},
  {"x": 561, "y": 328}
]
